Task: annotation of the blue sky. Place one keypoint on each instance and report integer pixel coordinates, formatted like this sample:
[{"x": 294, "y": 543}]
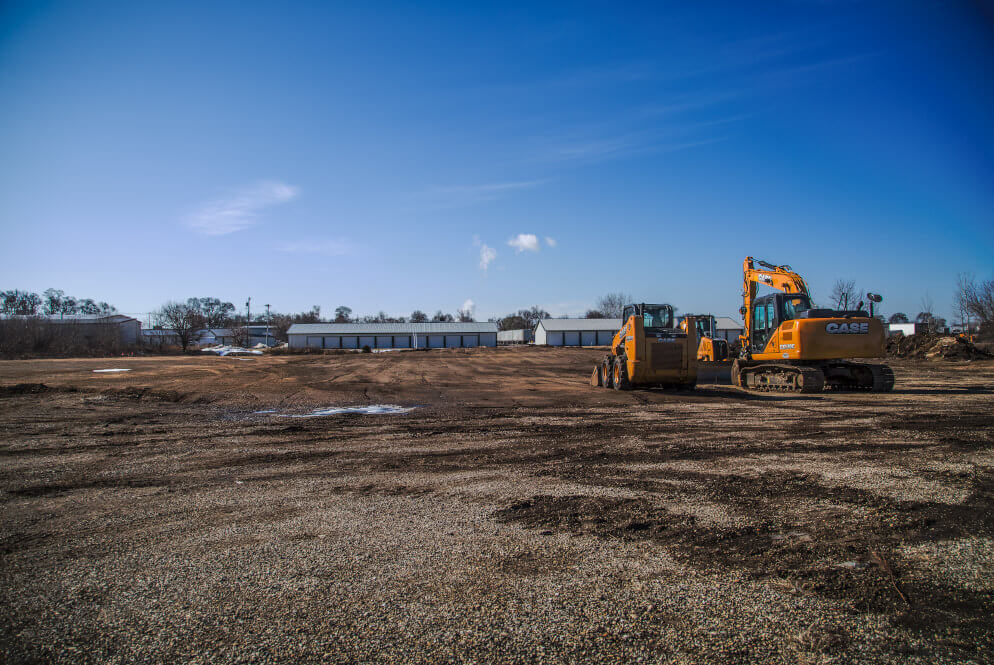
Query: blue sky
[{"x": 395, "y": 156}]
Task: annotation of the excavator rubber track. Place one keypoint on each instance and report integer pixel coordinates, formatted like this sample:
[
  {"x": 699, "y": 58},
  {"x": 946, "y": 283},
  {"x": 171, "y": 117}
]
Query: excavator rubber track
[
  {"x": 772, "y": 377},
  {"x": 807, "y": 379}
]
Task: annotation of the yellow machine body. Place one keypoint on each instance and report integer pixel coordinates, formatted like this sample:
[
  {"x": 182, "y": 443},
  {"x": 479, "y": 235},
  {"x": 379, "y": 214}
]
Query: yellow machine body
[
  {"x": 641, "y": 357},
  {"x": 711, "y": 348}
]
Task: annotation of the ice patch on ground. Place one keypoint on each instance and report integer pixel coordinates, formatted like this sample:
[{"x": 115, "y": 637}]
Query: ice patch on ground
[
  {"x": 372, "y": 409},
  {"x": 112, "y": 370},
  {"x": 266, "y": 411},
  {"x": 231, "y": 350}
]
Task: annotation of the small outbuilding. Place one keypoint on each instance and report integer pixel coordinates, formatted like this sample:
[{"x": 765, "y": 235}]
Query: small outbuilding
[
  {"x": 576, "y": 332},
  {"x": 435, "y": 335}
]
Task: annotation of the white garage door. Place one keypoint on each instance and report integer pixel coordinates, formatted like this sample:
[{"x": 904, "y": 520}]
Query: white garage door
[
  {"x": 453, "y": 341},
  {"x": 332, "y": 342},
  {"x": 402, "y": 342},
  {"x": 604, "y": 337},
  {"x": 554, "y": 339},
  {"x": 384, "y": 342},
  {"x": 588, "y": 338},
  {"x": 470, "y": 340},
  {"x": 349, "y": 343},
  {"x": 436, "y": 341},
  {"x": 314, "y": 342},
  {"x": 367, "y": 341},
  {"x": 571, "y": 339}
]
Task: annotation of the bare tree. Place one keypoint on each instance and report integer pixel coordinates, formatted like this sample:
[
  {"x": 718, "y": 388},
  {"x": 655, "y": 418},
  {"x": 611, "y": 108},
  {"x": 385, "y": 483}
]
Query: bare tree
[
  {"x": 898, "y": 317},
  {"x": 239, "y": 335},
  {"x": 844, "y": 294},
  {"x": 465, "y": 315},
  {"x": 182, "y": 318},
  {"x": 594, "y": 314},
  {"x": 343, "y": 314},
  {"x": 442, "y": 317},
  {"x": 417, "y": 316},
  {"x": 977, "y": 300},
  {"x": 612, "y": 304}
]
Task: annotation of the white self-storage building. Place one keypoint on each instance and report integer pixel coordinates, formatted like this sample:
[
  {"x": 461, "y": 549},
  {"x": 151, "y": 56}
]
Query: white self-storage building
[
  {"x": 576, "y": 332},
  {"x": 391, "y": 335}
]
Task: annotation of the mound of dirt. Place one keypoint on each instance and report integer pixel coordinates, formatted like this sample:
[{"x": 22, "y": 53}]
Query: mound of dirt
[{"x": 934, "y": 347}]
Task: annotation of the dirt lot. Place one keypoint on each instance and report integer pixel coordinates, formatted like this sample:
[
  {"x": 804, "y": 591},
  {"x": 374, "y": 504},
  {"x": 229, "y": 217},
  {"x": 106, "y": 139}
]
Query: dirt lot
[{"x": 515, "y": 515}]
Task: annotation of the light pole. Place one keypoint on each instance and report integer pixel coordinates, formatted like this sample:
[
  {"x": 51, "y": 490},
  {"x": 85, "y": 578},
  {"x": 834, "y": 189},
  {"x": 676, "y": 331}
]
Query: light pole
[{"x": 268, "y": 324}]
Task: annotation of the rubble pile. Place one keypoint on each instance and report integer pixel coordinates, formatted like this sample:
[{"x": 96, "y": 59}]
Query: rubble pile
[{"x": 934, "y": 347}]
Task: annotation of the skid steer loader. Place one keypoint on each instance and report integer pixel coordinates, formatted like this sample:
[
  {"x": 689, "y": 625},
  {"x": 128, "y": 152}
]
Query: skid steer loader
[{"x": 649, "y": 350}]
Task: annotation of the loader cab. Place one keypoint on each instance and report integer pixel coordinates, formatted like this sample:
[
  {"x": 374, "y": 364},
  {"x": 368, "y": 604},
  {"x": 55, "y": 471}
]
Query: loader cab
[
  {"x": 654, "y": 317},
  {"x": 769, "y": 311}
]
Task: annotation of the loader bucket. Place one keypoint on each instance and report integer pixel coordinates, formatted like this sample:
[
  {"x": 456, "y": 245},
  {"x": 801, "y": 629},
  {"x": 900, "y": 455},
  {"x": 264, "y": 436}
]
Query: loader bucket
[{"x": 595, "y": 378}]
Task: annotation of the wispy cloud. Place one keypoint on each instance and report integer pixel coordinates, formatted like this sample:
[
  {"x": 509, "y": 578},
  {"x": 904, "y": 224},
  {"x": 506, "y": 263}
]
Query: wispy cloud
[
  {"x": 323, "y": 247},
  {"x": 451, "y": 196},
  {"x": 487, "y": 256},
  {"x": 468, "y": 306},
  {"x": 524, "y": 242},
  {"x": 240, "y": 210},
  {"x": 551, "y": 242}
]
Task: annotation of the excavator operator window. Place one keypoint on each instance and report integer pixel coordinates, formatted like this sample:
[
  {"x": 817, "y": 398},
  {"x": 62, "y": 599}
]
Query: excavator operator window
[{"x": 794, "y": 304}]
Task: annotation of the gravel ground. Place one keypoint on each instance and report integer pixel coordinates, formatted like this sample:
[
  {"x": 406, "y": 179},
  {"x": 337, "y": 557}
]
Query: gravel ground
[{"x": 515, "y": 515}]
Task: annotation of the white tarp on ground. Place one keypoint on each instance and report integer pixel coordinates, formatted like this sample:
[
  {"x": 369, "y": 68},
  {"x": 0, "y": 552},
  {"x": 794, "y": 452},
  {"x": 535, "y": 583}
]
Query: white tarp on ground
[
  {"x": 372, "y": 409},
  {"x": 112, "y": 370},
  {"x": 231, "y": 351}
]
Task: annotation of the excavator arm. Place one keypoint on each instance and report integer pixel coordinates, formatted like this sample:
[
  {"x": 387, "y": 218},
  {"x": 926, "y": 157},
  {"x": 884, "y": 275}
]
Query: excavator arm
[{"x": 781, "y": 278}]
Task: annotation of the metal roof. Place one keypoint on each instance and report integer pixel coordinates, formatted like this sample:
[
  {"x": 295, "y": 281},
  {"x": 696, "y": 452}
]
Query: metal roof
[
  {"x": 558, "y": 325},
  {"x": 726, "y": 323},
  {"x": 391, "y": 328}
]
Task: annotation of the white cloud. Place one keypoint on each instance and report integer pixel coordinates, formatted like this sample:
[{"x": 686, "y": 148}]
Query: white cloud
[
  {"x": 487, "y": 256},
  {"x": 524, "y": 242},
  {"x": 469, "y": 306},
  {"x": 551, "y": 242},
  {"x": 240, "y": 210},
  {"x": 325, "y": 247}
]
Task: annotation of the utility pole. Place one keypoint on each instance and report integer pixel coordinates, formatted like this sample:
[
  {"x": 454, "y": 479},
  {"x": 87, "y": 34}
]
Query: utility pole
[
  {"x": 248, "y": 311},
  {"x": 268, "y": 323}
]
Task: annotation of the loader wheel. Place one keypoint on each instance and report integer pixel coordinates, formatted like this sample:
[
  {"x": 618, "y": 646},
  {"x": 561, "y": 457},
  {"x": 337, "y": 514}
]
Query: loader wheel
[
  {"x": 607, "y": 377},
  {"x": 620, "y": 378}
]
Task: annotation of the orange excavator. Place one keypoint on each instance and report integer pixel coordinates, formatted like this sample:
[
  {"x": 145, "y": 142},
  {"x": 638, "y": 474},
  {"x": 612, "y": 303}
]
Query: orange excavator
[
  {"x": 790, "y": 346},
  {"x": 712, "y": 348}
]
